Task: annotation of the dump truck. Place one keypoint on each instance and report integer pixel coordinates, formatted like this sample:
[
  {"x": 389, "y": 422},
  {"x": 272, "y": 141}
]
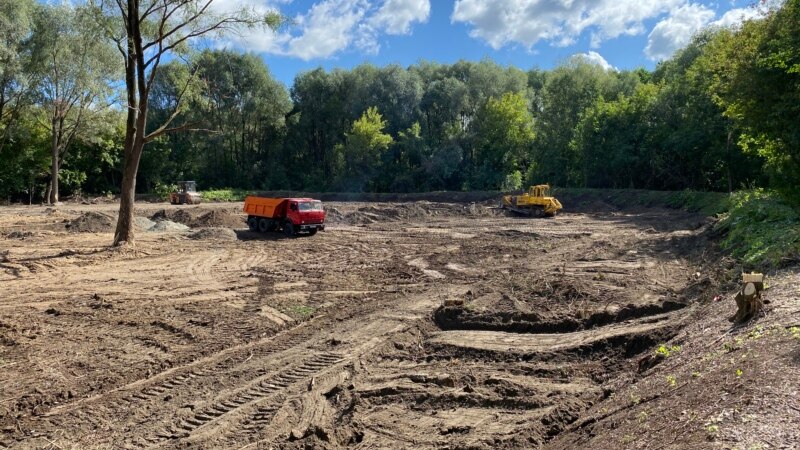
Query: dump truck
[
  {"x": 186, "y": 193},
  {"x": 292, "y": 215},
  {"x": 536, "y": 202}
]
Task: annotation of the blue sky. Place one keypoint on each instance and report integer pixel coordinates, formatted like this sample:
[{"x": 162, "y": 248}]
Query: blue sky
[{"x": 621, "y": 34}]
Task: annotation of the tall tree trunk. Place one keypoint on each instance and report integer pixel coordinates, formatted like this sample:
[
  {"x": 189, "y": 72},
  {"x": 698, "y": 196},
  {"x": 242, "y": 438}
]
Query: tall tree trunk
[
  {"x": 131, "y": 154},
  {"x": 53, "y": 191},
  {"x": 124, "y": 231}
]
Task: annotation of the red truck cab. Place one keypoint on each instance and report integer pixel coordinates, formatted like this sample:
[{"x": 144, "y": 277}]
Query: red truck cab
[
  {"x": 292, "y": 215},
  {"x": 306, "y": 214}
]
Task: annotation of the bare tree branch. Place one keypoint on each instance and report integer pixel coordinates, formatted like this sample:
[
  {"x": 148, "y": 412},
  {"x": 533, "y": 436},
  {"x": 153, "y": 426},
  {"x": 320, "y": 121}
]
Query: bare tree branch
[
  {"x": 184, "y": 127},
  {"x": 164, "y": 127},
  {"x": 179, "y": 26}
]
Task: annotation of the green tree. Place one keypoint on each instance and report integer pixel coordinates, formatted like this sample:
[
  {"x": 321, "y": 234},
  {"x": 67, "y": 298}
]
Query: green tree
[
  {"x": 318, "y": 122},
  {"x": 567, "y": 92},
  {"x": 239, "y": 110},
  {"x": 22, "y": 164},
  {"x": 504, "y": 137},
  {"x": 16, "y": 20},
  {"x": 74, "y": 66},
  {"x": 362, "y": 151},
  {"x": 614, "y": 141},
  {"x": 756, "y": 80}
]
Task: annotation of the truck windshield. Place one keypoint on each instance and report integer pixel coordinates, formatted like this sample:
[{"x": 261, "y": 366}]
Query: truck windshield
[{"x": 310, "y": 206}]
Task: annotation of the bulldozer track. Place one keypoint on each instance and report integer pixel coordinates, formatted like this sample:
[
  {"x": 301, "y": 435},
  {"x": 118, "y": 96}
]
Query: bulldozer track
[
  {"x": 269, "y": 386},
  {"x": 184, "y": 376},
  {"x": 257, "y": 385}
]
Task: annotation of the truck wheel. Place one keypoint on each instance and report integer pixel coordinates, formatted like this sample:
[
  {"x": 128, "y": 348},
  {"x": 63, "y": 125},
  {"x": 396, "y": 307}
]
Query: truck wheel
[
  {"x": 252, "y": 223},
  {"x": 288, "y": 229},
  {"x": 263, "y": 225}
]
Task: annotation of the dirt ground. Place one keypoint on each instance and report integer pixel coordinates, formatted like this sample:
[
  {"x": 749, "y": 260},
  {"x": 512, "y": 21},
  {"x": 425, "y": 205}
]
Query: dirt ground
[{"x": 403, "y": 325}]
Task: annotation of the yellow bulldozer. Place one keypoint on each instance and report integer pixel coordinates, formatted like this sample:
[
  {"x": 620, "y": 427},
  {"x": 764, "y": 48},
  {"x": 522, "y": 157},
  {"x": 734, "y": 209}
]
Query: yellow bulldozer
[{"x": 536, "y": 202}]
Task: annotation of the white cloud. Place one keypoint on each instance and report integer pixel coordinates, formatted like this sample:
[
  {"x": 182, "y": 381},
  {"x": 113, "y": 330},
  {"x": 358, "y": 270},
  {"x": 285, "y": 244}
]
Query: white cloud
[
  {"x": 526, "y": 22},
  {"x": 327, "y": 29},
  {"x": 595, "y": 58},
  {"x": 396, "y": 16},
  {"x": 676, "y": 31},
  {"x": 736, "y": 16},
  {"x": 330, "y": 26}
]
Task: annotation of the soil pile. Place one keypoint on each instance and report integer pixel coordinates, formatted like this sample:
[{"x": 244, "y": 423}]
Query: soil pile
[
  {"x": 143, "y": 223},
  {"x": 333, "y": 215},
  {"x": 91, "y": 222},
  {"x": 54, "y": 213},
  {"x": 180, "y": 216},
  {"x": 214, "y": 233},
  {"x": 394, "y": 212},
  {"x": 219, "y": 218},
  {"x": 168, "y": 225},
  {"x": 214, "y": 218}
]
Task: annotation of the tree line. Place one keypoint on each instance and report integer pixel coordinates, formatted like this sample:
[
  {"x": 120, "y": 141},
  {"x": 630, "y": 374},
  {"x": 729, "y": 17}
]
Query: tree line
[{"x": 722, "y": 113}]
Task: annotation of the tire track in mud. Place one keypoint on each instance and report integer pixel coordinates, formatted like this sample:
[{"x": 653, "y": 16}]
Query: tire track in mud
[
  {"x": 185, "y": 375},
  {"x": 182, "y": 382},
  {"x": 270, "y": 386}
]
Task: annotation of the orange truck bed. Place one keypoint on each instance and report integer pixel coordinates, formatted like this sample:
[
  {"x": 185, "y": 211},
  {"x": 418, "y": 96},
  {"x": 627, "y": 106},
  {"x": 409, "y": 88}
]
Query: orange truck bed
[{"x": 265, "y": 207}]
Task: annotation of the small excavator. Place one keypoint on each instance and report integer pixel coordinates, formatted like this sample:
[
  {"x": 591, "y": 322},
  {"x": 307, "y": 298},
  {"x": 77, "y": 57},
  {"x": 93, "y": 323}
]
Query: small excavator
[{"x": 537, "y": 202}]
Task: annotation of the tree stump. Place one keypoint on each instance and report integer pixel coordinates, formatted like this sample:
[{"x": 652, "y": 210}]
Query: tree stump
[{"x": 748, "y": 300}]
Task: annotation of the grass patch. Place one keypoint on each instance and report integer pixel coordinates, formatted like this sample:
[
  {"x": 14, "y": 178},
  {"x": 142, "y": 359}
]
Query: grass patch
[
  {"x": 762, "y": 229},
  {"x": 301, "y": 310},
  {"x": 225, "y": 195}
]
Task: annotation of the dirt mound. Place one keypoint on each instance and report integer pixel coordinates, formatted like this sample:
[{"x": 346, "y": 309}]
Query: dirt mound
[
  {"x": 219, "y": 218},
  {"x": 214, "y": 233},
  {"x": 393, "y": 212},
  {"x": 168, "y": 225},
  {"x": 333, "y": 215},
  {"x": 361, "y": 218},
  {"x": 55, "y": 213},
  {"x": 175, "y": 215},
  {"x": 91, "y": 222},
  {"x": 198, "y": 218},
  {"x": 143, "y": 223}
]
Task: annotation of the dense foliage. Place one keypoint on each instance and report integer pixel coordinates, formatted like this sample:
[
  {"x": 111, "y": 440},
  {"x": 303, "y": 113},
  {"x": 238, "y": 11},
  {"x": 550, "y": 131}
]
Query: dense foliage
[{"x": 722, "y": 113}]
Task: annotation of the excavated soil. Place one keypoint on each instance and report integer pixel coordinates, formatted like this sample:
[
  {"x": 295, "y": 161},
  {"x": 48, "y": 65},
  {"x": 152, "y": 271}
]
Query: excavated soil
[{"x": 403, "y": 325}]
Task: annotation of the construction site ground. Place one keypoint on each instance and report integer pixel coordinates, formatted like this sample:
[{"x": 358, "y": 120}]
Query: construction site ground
[{"x": 403, "y": 325}]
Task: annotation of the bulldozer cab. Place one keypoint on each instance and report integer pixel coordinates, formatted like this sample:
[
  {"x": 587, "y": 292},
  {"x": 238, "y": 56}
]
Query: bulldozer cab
[
  {"x": 186, "y": 186},
  {"x": 540, "y": 190}
]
